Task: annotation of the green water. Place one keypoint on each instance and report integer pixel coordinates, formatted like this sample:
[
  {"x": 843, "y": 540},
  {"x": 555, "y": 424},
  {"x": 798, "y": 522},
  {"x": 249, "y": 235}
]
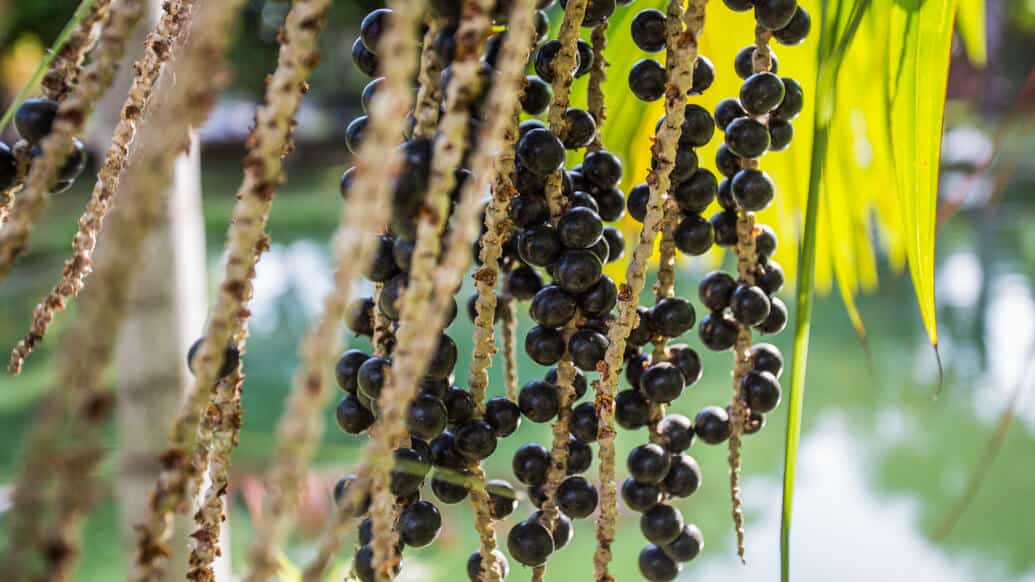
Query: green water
[{"x": 882, "y": 461}]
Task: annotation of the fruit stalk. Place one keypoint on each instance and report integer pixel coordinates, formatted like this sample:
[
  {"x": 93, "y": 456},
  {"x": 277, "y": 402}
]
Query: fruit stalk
[
  {"x": 66, "y": 67},
  {"x": 420, "y": 321},
  {"x": 509, "y": 333},
  {"x": 679, "y": 81},
  {"x": 597, "y": 78},
  {"x": 429, "y": 95},
  {"x": 746, "y": 267},
  {"x": 158, "y": 49},
  {"x": 270, "y": 141},
  {"x": 368, "y": 207},
  {"x": 74, "y": 110},
  {"x": 383, "y": 337}
]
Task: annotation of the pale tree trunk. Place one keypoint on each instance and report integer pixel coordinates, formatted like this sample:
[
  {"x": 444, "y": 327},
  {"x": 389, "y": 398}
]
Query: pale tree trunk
[{"x": 164, "y": 316}]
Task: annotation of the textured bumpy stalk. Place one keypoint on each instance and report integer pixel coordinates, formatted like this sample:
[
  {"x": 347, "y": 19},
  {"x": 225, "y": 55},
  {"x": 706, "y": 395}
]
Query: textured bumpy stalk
[
  {"x": 66, "y": 67},
  {"x": 92, "y": 339},
  {"x": 429, "y": 95},
  {"x": 270, "y": 141},
  {"x": 509, "y": 333},
  {"x": 746, "y": 267},
  {"x": 368, "y": 208},
  {"x": 680, "y": 77},
  {"x": 73, "y": 112},
  {"x": 420, "y": 321},
  {"x": 597, "y": 78},
  {"x": 384, "y": 336},
  {"x": 157, "y": 50}
]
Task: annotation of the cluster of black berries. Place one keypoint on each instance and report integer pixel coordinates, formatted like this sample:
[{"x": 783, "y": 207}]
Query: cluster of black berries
[
  {"x": 33, "y": 120},
  {"x": 647, "y": 77},
  {"x": 788, "y": 22}
]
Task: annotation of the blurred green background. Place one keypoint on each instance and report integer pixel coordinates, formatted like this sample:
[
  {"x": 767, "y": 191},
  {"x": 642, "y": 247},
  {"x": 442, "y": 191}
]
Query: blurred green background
[{"x": 882, "y": 461}]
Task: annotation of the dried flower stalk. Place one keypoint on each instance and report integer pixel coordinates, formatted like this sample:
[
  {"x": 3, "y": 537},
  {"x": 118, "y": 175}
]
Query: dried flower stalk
[
  {"x": 65, "y": 69},
  {"x": 368, "y": 205},
  {"x": 564, "y": 67},
  {"x": 429, "y": 95},
  {"x": 157, "y": 51},
  {"x": 680, "y": 77},
  {"x": 597, "y": 77},
  {"x": 509, "y": 333},
  {"x": 92, "y": 339},
  {"x": 747, "y": 265},
  {"x": 73, "y": 112},
  {"x": 384, "y": 337},
  {"x": 420, "y": 322}
]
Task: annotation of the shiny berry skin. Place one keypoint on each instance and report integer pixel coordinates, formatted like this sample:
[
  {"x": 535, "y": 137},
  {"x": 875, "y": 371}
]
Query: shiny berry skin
[
  {"x": 539, "y": 401},
  {"x": 685, "y": 166},
  {"x": 523, "y": 283},
  {"x": 536, "y": 98},
  {"x": 761, "y": 93},
  {"x": 585, "y": 60},
  {"x": 541, "y": 152},
  {"x": 443, "y": 360},
  {"x": 449, "y": 487},
  {"x": 539, "y": 245},
  {"x": 724, "y": 195},
  {"x": 373, "y": 26},
  {"x": 231, "y": 358},
  {"x": 542, "y": 26},
  {"x": 615, "y": 242},
  {"x": 391, "y": 293},
  {"x": 587, "y": 349},
  {"x": 643, "y": 332},
  {"x": 341, "y": 495},
  {"x": 755, "y": 422},
  {"x": 353, "y": 417},
  {"x": 576, "y": 271},
  {"x": 662, "y": 382},
  {"x": 640, "y": 496},
  {"x": 408, "y": 473},
  {"x": 753, "y": 189},
  {"x": 796, "y": 30},
  {"x": 747, "y": 137},
  {"x": 562, "y": 530},
  {"x": 750, "y": 305},
  {"x": 597, "y": 12},
  {"x": 545, "y": 58},
  {"x": 365, "y": 60},
  {"x": 600, "y": 299},
  {"x": 419, "y": 524},
  {"x": 687, "y": 361},
  {"x": 584, "y": 200},
  {"x": 647, "y": 80},
  {"x": 780, "y": 135},
  {"x": 739, "y": 5},
  {"x": 474, "y": 565},
  {"x": 475, "y": 439},
  {"x": 363, "y": 564},
  {"x": 648, "y": 30},
  {"x": 552, "y": 307},
  {"x": 503, "y": 416},
  {"x": 602, "y": 168},
  {"x": 580, "y": 228},
  {"x": 695, "y": 194},
  {"x": 712, "y": 425},
  {"x": 698, "y": 127},
  {"x": 635, "y": 366},
  {"x": 694, "y": 236},
  {"x": 687, "y": 545},
  {"x": 545, "y": 345},
  {"x": 530, "y": 543},
  {"x": 726, "y": 111},
  {"x": 648, "y": 463},
  {"x": 716, "y": 290},
  {"x": 34, "y": 119},
  {"x": 610, "y": 204},
  {"x": 661, "y": 524},
  {"x": 765, "y": 241},
  {"x": 760, "y": 390},
  {"x": 684, "y": 477},
  {"x": 717, "y": 332},
  {"x": 639, "y": 197},
  {"x": 528, "y": 210},
  {"x": 744, "y": 64},
  {"x": 576, "y": 497},
  {"x": 767, "y": 358},
  {"x": 673, "y": 316},
  {"x": 583, "y": 423},
  {"x": 704, "y": 75},
  {"x": 775, "y": 14},
  {"x": 580, "y": 128},
  {"x": 631, "y": 410},
  {"x": 347, "y": 369},
  {"x": 531, "y": 463},
  {"x": 369, "y": 91},
  {"x": 444, "y": 453},
  {"x": 383, "y": 267},
  {"x": 8, "y": 168},
  {"x": 726, "y": 161},
  {"x": 793, "y": 101},
  {"x": 600, "y": 249},
  {"x": 579, "y": 384},
  {"x": 724, "y": 225},
  {"x": 502, "y": 498},
  {"x": 777, "y": 320},
  {"x": 359, "y": 316},
  {"x": 678, "y": 432},
  {"x": 580, "y": 456},
  {"x": 427, "y": 417},
  {"x": 656, "y": 566}
]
